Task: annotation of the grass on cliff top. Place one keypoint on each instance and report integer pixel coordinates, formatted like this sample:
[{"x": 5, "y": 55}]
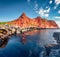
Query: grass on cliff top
[{"x": 3, "y": 23}]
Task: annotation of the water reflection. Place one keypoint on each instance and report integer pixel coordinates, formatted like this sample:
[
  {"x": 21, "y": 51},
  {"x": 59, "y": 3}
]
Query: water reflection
[
  {"x": 34, "y": 46},
  {"x": 46, "y": 37}
]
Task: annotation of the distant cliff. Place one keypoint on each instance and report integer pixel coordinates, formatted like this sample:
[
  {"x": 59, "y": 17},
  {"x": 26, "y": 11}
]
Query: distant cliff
[{"x": 24, "y": 21}]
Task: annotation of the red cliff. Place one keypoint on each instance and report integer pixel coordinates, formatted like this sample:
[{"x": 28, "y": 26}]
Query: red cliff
[{"x": 23, "y": 21}]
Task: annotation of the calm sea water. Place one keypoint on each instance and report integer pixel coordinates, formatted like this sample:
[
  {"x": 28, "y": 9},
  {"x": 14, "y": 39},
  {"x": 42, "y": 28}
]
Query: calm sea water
[{"x": 34, "y": 46}]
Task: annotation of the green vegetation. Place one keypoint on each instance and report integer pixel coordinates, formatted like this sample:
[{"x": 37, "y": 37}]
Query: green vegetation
[{"x": 2, "y": 23}]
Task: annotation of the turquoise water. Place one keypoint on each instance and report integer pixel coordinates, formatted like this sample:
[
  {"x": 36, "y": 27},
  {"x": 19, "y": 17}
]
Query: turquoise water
[{"x": 34, "y": 46}]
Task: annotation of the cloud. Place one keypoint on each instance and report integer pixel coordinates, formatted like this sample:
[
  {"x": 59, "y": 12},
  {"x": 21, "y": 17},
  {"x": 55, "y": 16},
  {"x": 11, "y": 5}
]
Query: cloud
[
  {"x": 48, "y": 10},
  {"x": 59, "y": 11},
  {"x": 50, "y": 2},
  {"x": 58, "y": 23},
  {"x": 57, "y": 2},
  {"x": 35, "y": 6},
  {"x": 28, "y": 0},
  {"x": 41, "y": 12},
  {"x": 44, "y": 13},
  {"x": 55, "y": 7},
  {"x": 57, "y": 17},
  {"x": 47, "y": 7}
]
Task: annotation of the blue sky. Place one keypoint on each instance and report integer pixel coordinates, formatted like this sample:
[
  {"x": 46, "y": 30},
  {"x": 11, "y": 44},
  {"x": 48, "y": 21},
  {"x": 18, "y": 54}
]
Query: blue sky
[{"x": 12, "y": 9}]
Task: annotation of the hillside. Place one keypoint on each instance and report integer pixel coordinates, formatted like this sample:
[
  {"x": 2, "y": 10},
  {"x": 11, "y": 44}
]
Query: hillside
[{"x": 24, "y": 21}]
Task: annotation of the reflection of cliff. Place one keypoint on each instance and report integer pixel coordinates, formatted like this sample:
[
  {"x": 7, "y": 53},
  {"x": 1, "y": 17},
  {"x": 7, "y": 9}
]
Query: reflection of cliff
[{"x": 24, "y": 21}]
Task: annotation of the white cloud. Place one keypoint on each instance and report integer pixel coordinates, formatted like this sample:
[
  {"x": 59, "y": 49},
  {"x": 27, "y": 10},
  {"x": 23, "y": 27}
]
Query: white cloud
[
  {"x": 41, "y": 12},
  {"x": 47, "y": 7},
  {"x": 58, "y": 23},
  {"x": 57, "y": 17},
  {"x": 50, "y": 1},
  {"x": 59, "y": 11},
  {"x": 44, "y": 13},
  {"x": 28, "y": 0},
  {"x": 36, "y": 11},
  {"x": 48, "y": 10},
  {"x": 55, "y": 7},
  {"x": 36, "y": 6},
  {"x": 57, "y": 2}
]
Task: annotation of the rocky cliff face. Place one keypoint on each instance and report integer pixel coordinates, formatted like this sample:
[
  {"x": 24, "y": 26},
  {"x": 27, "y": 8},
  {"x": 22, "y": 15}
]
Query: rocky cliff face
[{"x": 23, "y": 21}]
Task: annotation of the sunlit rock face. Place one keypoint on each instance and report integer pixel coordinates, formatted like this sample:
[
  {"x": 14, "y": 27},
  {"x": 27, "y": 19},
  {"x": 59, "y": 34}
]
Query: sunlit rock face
[{"x": 24, "y": 21}]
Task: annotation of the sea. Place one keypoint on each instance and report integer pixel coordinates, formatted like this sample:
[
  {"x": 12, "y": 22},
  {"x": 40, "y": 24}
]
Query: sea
[{"x": 33, "y": 47}]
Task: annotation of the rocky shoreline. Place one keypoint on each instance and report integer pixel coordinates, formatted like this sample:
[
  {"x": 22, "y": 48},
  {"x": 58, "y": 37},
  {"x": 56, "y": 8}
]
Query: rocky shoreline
[{"x": 7, "y": 31}]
